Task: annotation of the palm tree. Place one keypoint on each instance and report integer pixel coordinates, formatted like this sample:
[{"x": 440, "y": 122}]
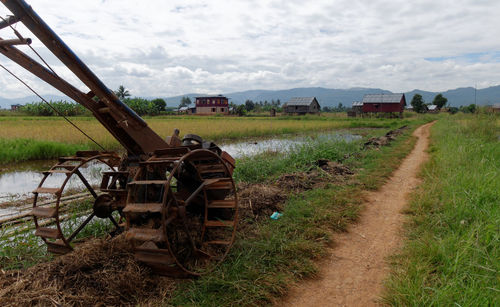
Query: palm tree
[{"x": 122, "y": 93}]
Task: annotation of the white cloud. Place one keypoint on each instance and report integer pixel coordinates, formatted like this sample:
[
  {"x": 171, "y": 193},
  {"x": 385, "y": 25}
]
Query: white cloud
[{"x": 164, "y": 48}]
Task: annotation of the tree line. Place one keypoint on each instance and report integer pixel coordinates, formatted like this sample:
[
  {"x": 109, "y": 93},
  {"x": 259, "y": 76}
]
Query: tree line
[
  {"x": 419, "y": 105},
  {"x": 141, "y": 106}
]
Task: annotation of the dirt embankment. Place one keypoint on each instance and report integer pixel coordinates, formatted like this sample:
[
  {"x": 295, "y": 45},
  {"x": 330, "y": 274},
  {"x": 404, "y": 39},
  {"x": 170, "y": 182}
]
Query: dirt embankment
[{"x": 354, "y": 272}]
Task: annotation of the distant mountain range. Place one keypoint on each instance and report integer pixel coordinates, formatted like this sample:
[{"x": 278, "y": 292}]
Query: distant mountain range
[{"x": 325, "y": 96}]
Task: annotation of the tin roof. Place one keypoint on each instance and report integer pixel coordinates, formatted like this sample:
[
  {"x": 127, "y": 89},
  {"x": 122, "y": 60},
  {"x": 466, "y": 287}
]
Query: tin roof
[
  {"x": 357, "y": 103},
  {"x": 432, "y": 107},
  {"x": 300, "y": 101},
  {"x": 382, "y": 98}
]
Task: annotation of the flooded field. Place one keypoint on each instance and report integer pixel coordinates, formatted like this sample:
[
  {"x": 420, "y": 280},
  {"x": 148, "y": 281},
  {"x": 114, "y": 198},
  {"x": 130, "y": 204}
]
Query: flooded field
[{"x": 19, "y": 180}]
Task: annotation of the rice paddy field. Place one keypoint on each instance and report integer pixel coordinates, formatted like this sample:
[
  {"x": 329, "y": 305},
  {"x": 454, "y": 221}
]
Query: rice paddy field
[
  {"x": 268, "y": 255},
  {"x": 450, "y": 250},
  {"x": 28, "y": 138}
]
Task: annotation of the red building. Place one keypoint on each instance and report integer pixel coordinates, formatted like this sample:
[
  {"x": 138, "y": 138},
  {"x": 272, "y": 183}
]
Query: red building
[
  {"x": 387, "y": 103},
  {"x": 211, "y": 105}
]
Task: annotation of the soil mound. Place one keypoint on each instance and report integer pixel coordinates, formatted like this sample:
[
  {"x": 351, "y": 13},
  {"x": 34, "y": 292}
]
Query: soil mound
[
  {"x": 386, "y": 139},
  {"x": 98, "y": 273},
  {"x": 260, "y": 200}
]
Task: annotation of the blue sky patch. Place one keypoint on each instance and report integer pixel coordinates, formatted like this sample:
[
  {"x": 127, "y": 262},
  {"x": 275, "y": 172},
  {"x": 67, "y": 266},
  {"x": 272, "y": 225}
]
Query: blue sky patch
[{"x": 477, "y": 57}]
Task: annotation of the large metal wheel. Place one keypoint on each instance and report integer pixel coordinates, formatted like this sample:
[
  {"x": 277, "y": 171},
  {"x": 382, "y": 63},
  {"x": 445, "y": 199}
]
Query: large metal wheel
[
  {"x": 182, "y": 212},
  {"x": 59, "y": 223}
]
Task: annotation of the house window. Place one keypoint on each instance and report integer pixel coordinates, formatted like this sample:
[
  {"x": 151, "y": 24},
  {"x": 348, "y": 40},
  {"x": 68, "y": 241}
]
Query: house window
[
  {"x": 222, "y": 110},
  {"x": 213, "y": 110}
]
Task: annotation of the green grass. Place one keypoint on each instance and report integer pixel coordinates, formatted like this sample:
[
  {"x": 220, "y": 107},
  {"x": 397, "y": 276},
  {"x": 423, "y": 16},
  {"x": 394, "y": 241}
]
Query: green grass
[
  {"x": 300, "y": 158},
  {"x": 25, "y": 149},
  {"x": 270, "y": 256},
  {"x": 452, "y": 256},
  {"x": 22, "y": 249}
]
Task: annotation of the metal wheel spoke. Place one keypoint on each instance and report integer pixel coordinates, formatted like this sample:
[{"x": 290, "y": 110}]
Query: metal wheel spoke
[
  {"x": 112, "y": 219},
  {"x": 87, "y": 220},
  {"x": 86, "y": 183}
]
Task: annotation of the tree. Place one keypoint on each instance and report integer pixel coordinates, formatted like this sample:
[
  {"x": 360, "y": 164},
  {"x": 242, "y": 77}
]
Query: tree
[
  {"x": 122, "y": 93},
  {"x": 418, "y": 104},
  {"x": 339, "y": 108},
  {"x": 472, "y": 108},
  {"x": 160, "y": 104},
  {"x": 452, "y": 110},
  {"x": 440, "y": 101},
  {"x": 249, "y": 105},
  {"x": 241, "y": 110},
  {"x": 185, "y": 102}
]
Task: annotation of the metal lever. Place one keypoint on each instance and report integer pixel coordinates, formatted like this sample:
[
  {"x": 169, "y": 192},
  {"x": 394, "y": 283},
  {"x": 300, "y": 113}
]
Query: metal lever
[
  {"x": 17, "y": 41},
  {"x": 8, "y": 21}
]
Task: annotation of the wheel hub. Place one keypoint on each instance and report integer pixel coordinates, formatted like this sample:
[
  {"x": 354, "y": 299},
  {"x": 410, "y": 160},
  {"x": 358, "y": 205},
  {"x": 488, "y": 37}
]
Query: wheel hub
[{"x": 103, "y": 206}]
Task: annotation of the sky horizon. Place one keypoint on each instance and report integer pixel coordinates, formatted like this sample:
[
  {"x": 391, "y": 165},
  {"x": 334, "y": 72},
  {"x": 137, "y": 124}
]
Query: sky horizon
[{"x": 179, "y": 47}]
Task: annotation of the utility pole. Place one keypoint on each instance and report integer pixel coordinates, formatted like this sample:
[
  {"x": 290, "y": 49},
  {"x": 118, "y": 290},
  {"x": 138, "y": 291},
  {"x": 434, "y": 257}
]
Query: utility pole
[{"x": 475, "y": 94}]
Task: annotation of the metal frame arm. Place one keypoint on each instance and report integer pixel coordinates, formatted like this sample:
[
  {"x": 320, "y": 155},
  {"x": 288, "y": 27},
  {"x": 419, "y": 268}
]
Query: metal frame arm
[{"x": 121, "y": 121}]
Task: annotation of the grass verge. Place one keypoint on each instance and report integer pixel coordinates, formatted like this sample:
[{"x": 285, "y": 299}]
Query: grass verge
[
  {"x": 271, "y": 255},
  {"x": 452, "y": 254}
]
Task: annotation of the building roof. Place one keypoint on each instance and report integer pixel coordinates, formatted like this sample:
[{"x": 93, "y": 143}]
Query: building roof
[
  {"x": 432, "y": 107},
  {"x": 357, "y": 103},
  {"x": 382, "y": 98},
  {"x": 496, "y": 106},
  {"x": 183, "y": 109},
  {"x": 300, "y": 101},
  {"x": 211, "y": 96}
]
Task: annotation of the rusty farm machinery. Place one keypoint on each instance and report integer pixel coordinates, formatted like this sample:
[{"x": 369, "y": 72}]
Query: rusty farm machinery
[{"x": 174, "y": 199}]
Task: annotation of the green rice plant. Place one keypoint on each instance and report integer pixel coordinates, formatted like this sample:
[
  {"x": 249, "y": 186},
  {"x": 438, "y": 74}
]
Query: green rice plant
[
  {"x": 21, "y": 248},
  {"x": 25, "y": 149}
]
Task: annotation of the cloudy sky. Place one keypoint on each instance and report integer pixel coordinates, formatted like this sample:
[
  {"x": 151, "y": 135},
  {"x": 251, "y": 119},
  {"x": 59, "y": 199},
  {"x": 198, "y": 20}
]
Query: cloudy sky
[{"x": 167, "y": 48}]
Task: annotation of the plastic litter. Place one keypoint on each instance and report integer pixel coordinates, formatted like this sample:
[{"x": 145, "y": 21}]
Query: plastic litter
[{"x": 276, "y": 215}]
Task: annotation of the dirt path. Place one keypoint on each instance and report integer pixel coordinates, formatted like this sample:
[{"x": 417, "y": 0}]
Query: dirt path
[{"x": 356, "y": 268}]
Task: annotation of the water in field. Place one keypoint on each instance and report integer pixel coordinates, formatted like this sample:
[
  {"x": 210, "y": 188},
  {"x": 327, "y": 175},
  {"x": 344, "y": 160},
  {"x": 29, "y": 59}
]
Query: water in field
[
  {"x": 17, "y": 181},
  {"x": 18, "y": 184},
  {"x": 250, "y": 148}
]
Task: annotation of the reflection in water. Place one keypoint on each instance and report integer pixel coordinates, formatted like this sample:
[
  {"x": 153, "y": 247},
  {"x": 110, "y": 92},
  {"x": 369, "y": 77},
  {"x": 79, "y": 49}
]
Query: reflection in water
[
  {"x": 238, "y": 150},
  {"x": 20, "y": 183}
]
